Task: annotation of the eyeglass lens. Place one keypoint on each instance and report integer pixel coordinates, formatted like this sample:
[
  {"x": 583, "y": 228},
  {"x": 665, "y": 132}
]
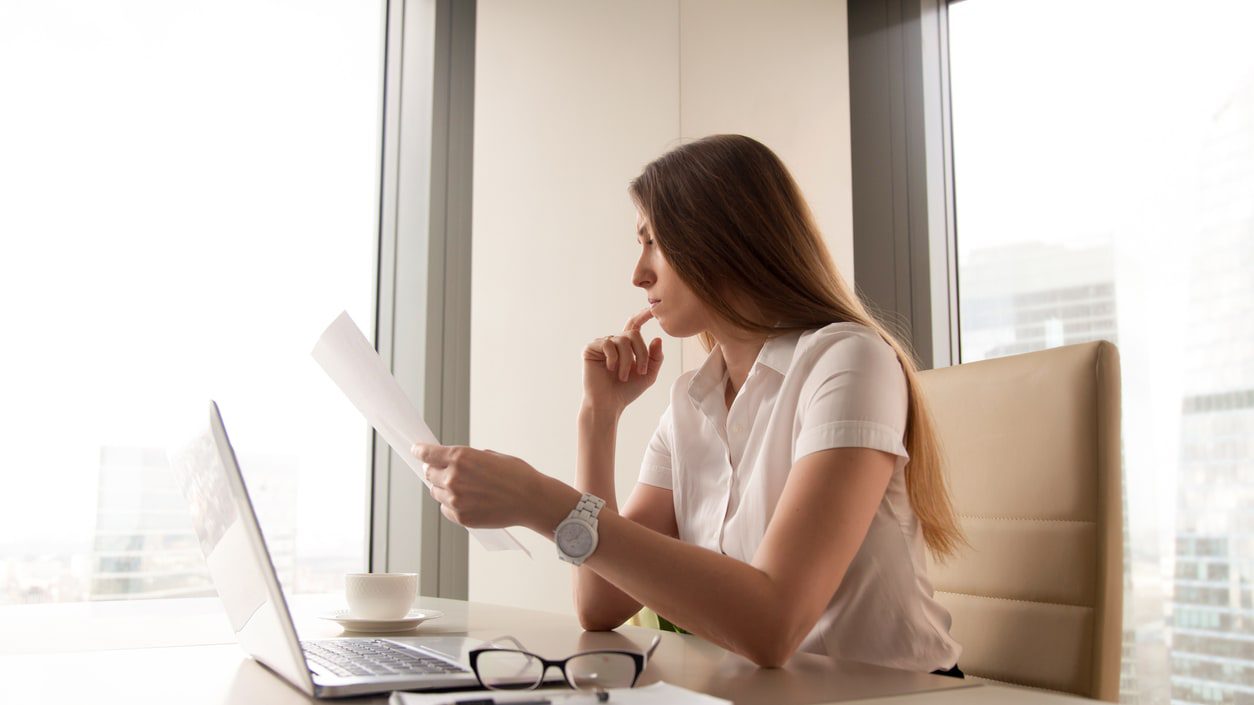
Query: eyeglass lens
[
  {"x": 506, "y": 670},
  {"x": 519, "y": 670},
  {"x": 601, "y": 670}
]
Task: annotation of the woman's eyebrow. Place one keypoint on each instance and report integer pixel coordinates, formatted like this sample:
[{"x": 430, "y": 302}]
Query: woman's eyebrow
[{"x": 640, "y": 229}]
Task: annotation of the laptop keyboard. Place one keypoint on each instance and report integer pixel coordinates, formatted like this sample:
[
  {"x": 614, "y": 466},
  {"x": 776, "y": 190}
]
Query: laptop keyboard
[{"x": 373, "y": 657}]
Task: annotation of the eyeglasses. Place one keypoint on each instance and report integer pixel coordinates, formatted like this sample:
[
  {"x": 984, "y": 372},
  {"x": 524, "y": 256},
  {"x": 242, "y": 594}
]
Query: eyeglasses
[{"x": 518, "y": 669}]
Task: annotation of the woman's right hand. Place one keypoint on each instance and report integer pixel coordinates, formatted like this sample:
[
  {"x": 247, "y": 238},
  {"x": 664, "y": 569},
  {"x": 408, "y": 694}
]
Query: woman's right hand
[{"x": 618, "y": 368}]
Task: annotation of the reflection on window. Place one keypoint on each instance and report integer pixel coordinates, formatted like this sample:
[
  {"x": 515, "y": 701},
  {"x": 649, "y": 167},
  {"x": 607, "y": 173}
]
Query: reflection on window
[{"x": 1105, "y": 190}]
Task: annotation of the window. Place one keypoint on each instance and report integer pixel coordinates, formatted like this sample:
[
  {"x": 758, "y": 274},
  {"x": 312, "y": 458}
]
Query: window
[
  {"x": 190, "y": 194},
  {"x": 1104, "y": 188}
]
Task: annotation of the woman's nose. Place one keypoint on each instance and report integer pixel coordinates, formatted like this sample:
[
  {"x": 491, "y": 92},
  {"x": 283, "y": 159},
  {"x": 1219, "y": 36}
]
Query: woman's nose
[{"x": 642, "y": 278}]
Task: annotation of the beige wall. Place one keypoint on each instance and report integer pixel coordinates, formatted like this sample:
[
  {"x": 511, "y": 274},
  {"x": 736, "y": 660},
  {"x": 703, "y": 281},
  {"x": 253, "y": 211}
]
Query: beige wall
[{"x": 572, "y": 98}]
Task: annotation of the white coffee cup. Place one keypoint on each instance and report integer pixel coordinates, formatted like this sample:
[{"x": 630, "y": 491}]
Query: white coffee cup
[{"x": 380, "y": 595}]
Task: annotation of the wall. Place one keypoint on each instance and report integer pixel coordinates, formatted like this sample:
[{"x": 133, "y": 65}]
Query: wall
[{"x": 571, "y": 99}]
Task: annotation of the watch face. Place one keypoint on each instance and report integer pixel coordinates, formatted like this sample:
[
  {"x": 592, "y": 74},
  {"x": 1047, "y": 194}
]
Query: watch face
[{"x": 574, "y": 538}]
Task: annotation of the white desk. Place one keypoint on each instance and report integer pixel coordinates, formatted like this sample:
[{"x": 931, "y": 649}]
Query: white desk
[{"x": 185, "y": 654}]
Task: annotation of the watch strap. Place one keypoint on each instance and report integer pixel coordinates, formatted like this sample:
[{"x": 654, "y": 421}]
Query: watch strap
[
  {"x": 588, "y": 508},
  {"x": 585, "y": 512}
]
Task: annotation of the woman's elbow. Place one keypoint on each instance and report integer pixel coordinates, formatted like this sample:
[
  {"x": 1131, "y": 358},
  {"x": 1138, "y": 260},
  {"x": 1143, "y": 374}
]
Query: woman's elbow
[
  {"x": 598, "y": 623},
  {"x": 771, "y": 655},
  {"x": 597, "y": 620},
  {"x": 772, "y": 648}
]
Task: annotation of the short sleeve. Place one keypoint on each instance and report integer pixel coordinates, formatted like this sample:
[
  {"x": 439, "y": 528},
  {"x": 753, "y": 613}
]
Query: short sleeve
[
  {"x": 857, "y": 397},
  {"x": 655, "y": 469}
]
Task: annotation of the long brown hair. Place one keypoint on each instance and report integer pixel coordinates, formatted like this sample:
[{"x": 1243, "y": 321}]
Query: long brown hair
[{"x": 732, "y": 222}]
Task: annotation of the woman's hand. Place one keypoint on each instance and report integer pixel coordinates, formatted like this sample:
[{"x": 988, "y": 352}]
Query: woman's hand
[
  {"x": 483, "y": 489},
  {"x": 618, "y": 368}
]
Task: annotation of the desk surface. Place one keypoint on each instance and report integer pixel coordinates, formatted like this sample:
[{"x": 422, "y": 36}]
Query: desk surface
[{"x": 53, "y": 659}]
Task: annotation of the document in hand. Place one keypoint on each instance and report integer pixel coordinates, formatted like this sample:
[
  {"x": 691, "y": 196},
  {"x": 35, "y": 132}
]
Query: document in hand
[
  {"x": 655, "y": 694},
  {"x": 352, "y": 363}
]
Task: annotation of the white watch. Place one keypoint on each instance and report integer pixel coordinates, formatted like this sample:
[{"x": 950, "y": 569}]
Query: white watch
[{"x": 576, "y": 536}]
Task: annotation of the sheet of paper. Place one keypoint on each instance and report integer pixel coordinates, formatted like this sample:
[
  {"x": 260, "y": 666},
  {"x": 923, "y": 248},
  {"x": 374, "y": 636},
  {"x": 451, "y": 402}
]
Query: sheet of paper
[
  {"x": 655, "y": 694},
  {"x": 354, "y": 366}
]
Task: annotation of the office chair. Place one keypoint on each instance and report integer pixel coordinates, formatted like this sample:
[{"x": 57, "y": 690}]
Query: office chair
[{"x": 1032, "y": 452}]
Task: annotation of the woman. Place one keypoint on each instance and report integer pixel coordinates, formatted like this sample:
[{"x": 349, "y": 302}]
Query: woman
[{"x": 775, "y": 508}]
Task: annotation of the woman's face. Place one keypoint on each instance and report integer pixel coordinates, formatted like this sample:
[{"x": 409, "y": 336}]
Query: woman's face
[{"x": 676, "y": 308}]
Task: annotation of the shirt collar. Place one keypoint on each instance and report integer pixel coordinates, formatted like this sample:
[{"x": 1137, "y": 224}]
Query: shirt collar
[
  {"x": 776, "y": 354},
  {"x": 709, "y": 376}
]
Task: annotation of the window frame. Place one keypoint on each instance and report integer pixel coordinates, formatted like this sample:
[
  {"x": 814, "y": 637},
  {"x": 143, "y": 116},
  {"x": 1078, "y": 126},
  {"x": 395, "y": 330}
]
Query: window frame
[
  {"x": 422, "y": 326},
  {"x": 905, "y": 252}
]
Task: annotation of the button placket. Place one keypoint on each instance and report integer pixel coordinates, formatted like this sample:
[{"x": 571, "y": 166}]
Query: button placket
[
  {"x": 736, "y": 427},
  {"x": 716, "y": 412},
  {"x": 736, "y": 440}
]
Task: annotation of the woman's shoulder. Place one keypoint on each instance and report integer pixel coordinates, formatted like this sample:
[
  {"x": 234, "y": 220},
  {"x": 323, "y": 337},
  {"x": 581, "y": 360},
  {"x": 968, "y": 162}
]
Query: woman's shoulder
[
  {"x": 844, "y": 347},
  {"x": 854, "y": 371},
  {"x": 843, "y": 338}
]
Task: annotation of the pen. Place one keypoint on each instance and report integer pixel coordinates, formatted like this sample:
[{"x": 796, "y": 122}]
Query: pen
[
  {"x": 490, "y": 701},
  {"x": 599, "y": 696}
]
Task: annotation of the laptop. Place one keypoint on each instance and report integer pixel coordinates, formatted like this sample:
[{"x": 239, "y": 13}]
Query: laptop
[{"x": 244, "y": 575}]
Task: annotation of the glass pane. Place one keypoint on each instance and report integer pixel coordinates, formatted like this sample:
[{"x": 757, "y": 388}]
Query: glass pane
[
  {"x": 1104, "y": 177},
  {"x": 509, "y": 669},
  {"x": 190, "y": 195}
]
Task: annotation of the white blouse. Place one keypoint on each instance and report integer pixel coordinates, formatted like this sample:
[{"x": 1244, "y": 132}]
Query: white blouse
[{"x": 833, "y": 387}]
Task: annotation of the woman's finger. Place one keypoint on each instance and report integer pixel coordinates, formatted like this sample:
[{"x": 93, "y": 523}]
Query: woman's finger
[
  {"x": 611, "y": 353},
  {"x": 449, "y": 514},
  {"x": 595, "y": 350},
  {"x": 438, "y": 477},
  {"x": 625, "y": 357},
  {"x": 655, "y": 354},
  {"x": 639, "y": 319},
  {"x": 640, "y": 350},
  {"x": 437, "y": 455},
  {"x": 441, "y": 495}
]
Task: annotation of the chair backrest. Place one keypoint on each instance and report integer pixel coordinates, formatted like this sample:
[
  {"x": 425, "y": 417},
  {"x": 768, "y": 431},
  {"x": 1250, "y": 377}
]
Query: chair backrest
[{"x": 1032, "y": 452}]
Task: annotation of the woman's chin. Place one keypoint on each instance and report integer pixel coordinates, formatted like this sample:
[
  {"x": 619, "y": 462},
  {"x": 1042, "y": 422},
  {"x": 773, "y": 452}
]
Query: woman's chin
[
  {"x": 668, "y": 328},
  {"x": 679, "y": 331}
]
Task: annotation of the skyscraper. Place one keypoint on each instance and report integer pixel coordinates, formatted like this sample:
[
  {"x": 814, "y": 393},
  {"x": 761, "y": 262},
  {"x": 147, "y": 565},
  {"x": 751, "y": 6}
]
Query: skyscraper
[
  {"x": 1212, "y": 608},
  {"x": 1032, "y": 296}
]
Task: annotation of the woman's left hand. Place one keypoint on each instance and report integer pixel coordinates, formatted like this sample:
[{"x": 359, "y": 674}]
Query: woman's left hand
[{"x": 482, "y": 489}]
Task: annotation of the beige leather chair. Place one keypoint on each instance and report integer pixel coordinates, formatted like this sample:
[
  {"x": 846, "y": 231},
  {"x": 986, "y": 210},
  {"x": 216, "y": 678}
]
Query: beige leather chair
[{"x": 1033, "y": 461}]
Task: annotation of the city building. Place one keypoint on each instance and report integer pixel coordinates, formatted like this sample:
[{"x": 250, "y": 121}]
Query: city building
[
  {"x": 1032, "y": 296},
  {"x": 1212, "y": 616}
]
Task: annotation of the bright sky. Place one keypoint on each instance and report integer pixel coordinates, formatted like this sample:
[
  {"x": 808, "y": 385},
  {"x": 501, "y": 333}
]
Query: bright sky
[{"x": 189, "y": 198}]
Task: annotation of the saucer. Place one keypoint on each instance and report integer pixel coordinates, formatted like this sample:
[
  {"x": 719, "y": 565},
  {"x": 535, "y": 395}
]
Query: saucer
[{"x": 359, "y": 624}]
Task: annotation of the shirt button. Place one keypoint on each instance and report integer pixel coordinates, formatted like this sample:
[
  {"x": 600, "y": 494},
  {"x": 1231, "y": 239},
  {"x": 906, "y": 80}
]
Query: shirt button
[{"x": 737, "y": 428}]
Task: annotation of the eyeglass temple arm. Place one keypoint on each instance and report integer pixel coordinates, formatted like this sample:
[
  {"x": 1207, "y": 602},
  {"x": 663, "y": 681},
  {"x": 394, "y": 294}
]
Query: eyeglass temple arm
[
  {"x": 497, "y": 641},
  {"x": 657, "y": 639}
]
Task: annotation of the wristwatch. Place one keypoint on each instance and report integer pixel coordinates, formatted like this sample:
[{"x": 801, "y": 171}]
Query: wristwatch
[{"x": 576, "y": 536}]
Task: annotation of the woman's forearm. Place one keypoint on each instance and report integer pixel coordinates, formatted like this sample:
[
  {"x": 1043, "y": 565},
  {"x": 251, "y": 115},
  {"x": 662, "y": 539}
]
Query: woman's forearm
[
  {"x": 761, "y": 610},
  {"x": 599, "y": 604},
  {"x": 594, "y": 469},
  {"x": 724, "y": 600}
]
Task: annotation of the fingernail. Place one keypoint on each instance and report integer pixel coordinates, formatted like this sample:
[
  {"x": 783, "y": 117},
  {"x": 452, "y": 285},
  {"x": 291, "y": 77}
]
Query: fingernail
[{"x": 413, "y": 450}]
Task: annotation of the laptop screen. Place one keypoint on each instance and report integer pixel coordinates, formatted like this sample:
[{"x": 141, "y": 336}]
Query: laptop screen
[{"x": 235, "y": 551}]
